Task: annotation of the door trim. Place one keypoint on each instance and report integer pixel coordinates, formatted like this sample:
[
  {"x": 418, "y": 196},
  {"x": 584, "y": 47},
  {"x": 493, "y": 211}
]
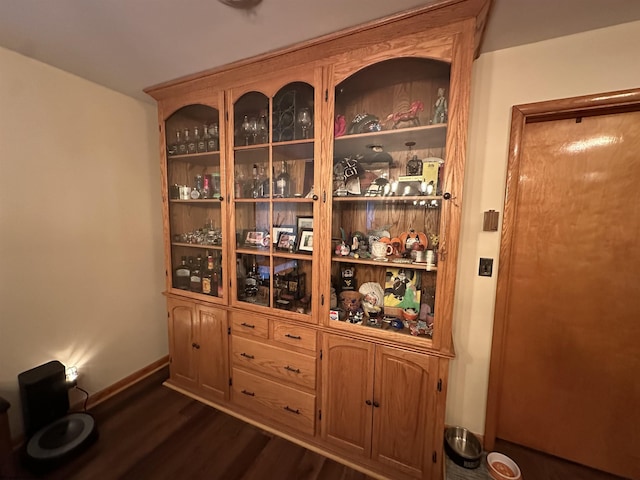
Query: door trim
[{"x": 588, "y": 105}]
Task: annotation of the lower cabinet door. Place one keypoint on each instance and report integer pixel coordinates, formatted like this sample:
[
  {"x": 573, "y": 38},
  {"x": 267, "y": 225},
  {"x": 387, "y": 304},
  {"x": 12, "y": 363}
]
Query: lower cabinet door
[
  {"x": 213, "y": 357},
  {"x": 183, "y": 326},
  {"x": 347, "y": 393},
  {"x": 404, "y": 409}
]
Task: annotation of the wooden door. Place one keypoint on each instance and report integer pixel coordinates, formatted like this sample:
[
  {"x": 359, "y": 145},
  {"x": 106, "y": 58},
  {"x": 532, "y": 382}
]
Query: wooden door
[
  {"x": 213, "y": 358},
  {"x": 566, "y": 353},
  {"x": 404, "y": 409},
  {"x": 347, "y": 393},
  {"x": 182, "y": 336}
]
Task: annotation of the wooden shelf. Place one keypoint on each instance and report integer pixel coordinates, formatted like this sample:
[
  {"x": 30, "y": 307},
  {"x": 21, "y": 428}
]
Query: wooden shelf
[
  {"x": 206, "y": 158},
  {"x": 196, "y": 245},
  {"x": 382, "y": 263},
  {"x": 391, "y": 140},
  {"x": 203, "y": 201},
  {"x": 388, "y": 198}
]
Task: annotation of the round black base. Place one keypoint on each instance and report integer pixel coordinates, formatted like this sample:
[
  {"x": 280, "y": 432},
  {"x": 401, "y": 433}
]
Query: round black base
[{"x": 59, "y": 441}]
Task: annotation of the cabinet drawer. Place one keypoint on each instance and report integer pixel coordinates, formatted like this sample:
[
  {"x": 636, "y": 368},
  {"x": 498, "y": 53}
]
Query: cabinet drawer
[
  {"x": 246, "y": 324},
  {"x": 282, "y": 364},
  {"x": 294, "y": 335},
  {"x": 274, "y": 401}
]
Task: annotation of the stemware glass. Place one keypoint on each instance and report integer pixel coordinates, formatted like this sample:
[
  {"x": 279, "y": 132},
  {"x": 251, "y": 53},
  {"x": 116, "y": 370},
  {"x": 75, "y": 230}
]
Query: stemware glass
[
  {"x": 245, "y": 128},
  {"x": 253, "y": 128},
  {"x": 305, "y": 121},
  {"x": 263, "y": 129}
]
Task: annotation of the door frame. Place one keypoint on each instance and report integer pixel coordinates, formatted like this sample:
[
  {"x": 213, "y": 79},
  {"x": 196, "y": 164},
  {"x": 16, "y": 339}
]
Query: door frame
[{"x": 588, "y": 105}]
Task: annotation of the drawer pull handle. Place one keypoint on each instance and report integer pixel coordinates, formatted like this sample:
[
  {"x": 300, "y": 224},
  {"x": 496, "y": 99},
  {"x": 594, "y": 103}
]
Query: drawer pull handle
[
  {"x": 291, "y": 369},
  {"x": 248, "y": 325},
  {"x": 289, "y": 409},
  {"x": 246, "y": 392},
  {"x": 295, "y": 337},
  {"x": 246, "y": 355}
]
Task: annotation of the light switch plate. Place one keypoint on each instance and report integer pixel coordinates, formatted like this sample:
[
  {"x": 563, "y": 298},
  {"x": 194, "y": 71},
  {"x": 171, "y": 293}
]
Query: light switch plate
[{"x": 486, "y": 267}]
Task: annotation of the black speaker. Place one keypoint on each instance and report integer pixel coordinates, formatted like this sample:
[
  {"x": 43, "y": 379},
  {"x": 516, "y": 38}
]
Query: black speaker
[{"x": 44, "y": 395}]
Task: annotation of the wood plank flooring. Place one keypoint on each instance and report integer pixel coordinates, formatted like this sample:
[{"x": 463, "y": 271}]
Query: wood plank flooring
[{"x": 150, "y": 432}]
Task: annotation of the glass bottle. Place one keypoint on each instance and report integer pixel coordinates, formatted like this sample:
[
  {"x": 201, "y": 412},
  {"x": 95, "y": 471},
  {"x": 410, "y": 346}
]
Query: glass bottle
[
  {"x": 283, "y": 182},
  {"x": 181, "y": 275},
  {"x": 213, "y": 145},
  {"x": 209, "y": 146},
  {"x": 196, "y": 191},
  {"x": 195, "y": 280},
  {"x": 173, "y": 147},
  {"x": 255, "y": 182},
  {"x": 263, "y": 183},
  {"x": 182, "y": 144},
  {"x": 215, "y": 283},
  {"x": 201, "y": 144},
  {"x": 206, "y": 187},
  {"x": 190, "y": 142},
  {"x": 207, "y": 278}
]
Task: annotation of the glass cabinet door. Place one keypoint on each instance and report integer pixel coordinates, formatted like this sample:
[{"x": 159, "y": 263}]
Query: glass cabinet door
[
  {"x": 273, "y": 198},
  {"x": 196, "y": 189},
  {"x": 388, "y": 163}
]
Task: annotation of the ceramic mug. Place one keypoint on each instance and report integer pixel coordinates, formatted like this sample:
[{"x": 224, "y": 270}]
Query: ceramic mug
[{"x": 381, "y": 249}]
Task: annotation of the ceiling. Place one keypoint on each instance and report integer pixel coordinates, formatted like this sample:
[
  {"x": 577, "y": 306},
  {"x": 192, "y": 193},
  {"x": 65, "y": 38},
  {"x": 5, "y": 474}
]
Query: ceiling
[{"x": 128, "y": 45}]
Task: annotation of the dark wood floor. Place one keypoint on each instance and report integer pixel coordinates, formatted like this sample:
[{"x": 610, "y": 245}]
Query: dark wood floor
[{"x": 150, "y": 432}]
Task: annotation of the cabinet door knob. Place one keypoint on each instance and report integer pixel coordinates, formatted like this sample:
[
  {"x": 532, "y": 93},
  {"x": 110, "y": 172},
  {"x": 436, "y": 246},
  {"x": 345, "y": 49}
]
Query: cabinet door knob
[
  {"x": 376, "y": 404},
  {"x": 315, "y": 198},
  {"x": 446, "y": 196},
  {"x": 368, "y": 402},
  {"x": 221, "y": 198}
]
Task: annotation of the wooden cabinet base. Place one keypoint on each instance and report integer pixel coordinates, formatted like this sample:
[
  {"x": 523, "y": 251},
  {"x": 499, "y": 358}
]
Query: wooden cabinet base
[{"x": 312, "y": 443}]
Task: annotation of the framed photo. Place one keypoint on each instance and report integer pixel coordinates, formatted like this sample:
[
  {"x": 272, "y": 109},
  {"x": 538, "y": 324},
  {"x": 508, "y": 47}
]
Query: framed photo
[
  {"x": 286, "y": 241},
  {"x": 305, "y": 240},
  {"x": 304, "y": 222},
  {"x": 282, "y": 228},
  {"x": 255, "y": 238}
]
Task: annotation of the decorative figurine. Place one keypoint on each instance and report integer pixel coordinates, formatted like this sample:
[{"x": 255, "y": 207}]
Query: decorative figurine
[
  {"x": 410, "y": 116},
  {"x": 373, "y": 298},
  {"x": 440, "y": 109},
  {"x": 339, "y": 126},
  {"x": 348, "y": 278}
]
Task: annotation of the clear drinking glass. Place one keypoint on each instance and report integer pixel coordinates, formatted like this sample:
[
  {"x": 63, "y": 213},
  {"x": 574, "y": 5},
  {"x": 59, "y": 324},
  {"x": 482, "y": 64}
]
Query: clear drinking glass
[{"x": 305, "y": 121}]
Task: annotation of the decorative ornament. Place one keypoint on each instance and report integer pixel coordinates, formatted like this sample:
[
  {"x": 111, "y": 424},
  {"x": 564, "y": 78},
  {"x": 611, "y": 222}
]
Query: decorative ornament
[{"x": 409, "y": 116}]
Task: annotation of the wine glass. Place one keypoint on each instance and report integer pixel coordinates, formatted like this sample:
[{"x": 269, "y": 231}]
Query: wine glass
[
  {"x": 245, "y": 128},
  {"x": 263, "y": 129},
  {"x": 305, "y": 121},
  {"x": 253, "y": 128}
]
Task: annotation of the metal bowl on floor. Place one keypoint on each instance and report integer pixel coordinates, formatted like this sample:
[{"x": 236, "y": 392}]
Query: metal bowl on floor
[{"x": 463, "y": 447}]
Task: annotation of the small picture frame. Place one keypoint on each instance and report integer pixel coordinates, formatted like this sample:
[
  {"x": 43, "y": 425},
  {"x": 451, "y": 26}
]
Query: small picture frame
[
  {"x": 255, "y": 238},
  {"x": 286, "y": 241},
  {"x": 305, "y": 240},
  {"x": 304, "y": 222},
  {"x": 282, "y": 229}
]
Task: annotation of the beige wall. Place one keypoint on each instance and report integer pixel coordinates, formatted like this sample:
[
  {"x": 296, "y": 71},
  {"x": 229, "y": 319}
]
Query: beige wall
[
  {"x": 80, "y": 229},
  {"x": 594, "y": 62}
]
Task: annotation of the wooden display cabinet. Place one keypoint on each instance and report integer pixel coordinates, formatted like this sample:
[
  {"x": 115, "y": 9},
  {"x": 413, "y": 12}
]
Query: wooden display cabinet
[
  {"x": 272, "y": 178},
  {"x": 370, "y": 125}
]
